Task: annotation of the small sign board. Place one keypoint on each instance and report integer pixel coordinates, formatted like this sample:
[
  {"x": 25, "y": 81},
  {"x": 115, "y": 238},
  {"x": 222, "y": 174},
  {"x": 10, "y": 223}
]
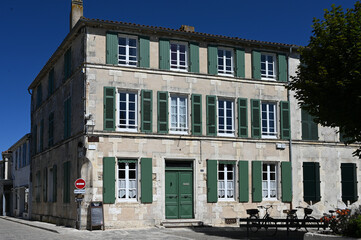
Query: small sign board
[
  {"x": 79, "y": 183},
  {"x": 96, "y": 215},
  {"x": 79, "y": 191}
]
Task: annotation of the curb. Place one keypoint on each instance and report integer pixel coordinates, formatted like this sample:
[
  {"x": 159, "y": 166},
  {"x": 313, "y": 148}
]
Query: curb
[{"x": 25, "y": 222}]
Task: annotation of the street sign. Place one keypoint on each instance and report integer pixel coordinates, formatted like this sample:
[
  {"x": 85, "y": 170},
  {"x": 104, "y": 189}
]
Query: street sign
[
  {"x": 79, "y": 183},
  {"x": 79, "y": 191}
]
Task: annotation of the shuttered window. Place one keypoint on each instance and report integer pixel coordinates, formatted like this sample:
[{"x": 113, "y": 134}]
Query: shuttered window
[
  {"x": 66, "y": 181},
  {"x": 127, "y": 50},
  {"x": 211, "y": 115},
  {"x": 309, "y": 127},
  {"x": 162, "y": 112},
  {"x": 194, "y": 57},
  {"x": 212, "y": 60},
  {"x": 311, "y": 181},
  {"x": 127, "y": 183},
  {"x": 51, "y": 130},
  {"x": 38, "y": 185},
  {"x": 39, "y": 95},
  {"x": 112, "y": 48},
  {"x": 255, "y": 118},
  {"x": 109, "y": 180},
  {"x": 243, "y": 181},
  {"x": 41, "y": 136},
  {"x": 147, "y": 111},
  {"x": 35, "y": 139},
  {"x": 55, "y": 183},
  {"x": 242, "y": 118},
  {"x": 164, "y": 58},
  {"x": 256, "y": 181},
  {"x": 51, "y": 82},
  {"x": 179, "y": 56},
  {"x": 146, "y": 180},
  {"x": 349, "y": 182},
  {"x": 144, "y": 59},
  {"x": 196, "y": 114},
  {"x": 285, "y": 120},
  {"x": 286, "y": 181},
  {"x": 212, "y": 189},
  {"x": 45, "y": 184},
  {"x": 109, "y": 108},
  {"x": 240, "y": 63},
  {"x": 256, "y": 65},
  {"x": 282, "y": 68},
  {"x": 269, "y": 66},
  {"x": 67, "y": 64},
  {"x": 67, "y": 118}
]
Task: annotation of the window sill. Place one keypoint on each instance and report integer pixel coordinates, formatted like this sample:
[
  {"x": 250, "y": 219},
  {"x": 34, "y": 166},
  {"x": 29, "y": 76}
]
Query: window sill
[
  {"x": 270, "y": 199},
  {"x": 226, "y": 200},
  {"x": 179, "y": 70},
  {"x": 127, "y": 200},
  {"x": 226, "y": 74},
  {"x": 127, "y": 130},
  {"x": 225, "y": 135},
  {"x": 269, "y": 137},
  {"x": 178, "y": 132},
  {"x": 269, "y": 79}
]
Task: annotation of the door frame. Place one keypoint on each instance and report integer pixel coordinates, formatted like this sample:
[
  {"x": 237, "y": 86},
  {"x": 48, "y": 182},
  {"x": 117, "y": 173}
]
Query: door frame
[{"x": 192, "y": 169}]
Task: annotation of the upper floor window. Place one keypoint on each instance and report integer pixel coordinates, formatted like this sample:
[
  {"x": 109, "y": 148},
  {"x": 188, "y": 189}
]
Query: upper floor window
[
  {"x": 226, "y": 181},
  {"x": 268, "y": 117},
  {"x": 178, "y": 56},
  {"x": 309, "y": 127},
  {"x": 225, "y": 117},
  {"x": 127, "y": 179},
  {"x": 225, "y": 61},
  {"x": 269, "y": 181},
  {"x": 268, "y": 68},
  {"x": 39, "y": 95},
  {"x": 128, "y": 105},
  {"x": 127, "y": 50},
  {"x": 178, "y": 114}
]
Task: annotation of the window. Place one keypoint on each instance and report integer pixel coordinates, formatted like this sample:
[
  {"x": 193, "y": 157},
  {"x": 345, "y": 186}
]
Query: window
[
  {"x": 349, "y": 182},
  {"x": 226, "y": 181},
  {"x": 39, "y": 95},
  {"x": 127, "y": 54},
  {"x": 67, "y": 118},
  {"x": 51, "y": 130},
  {"x": 178, "y": 56},
  {"x": 269, "y": 181},
  {"x": 128, "y": 117},
  {"x": 38, "y": 185},
  {"x": 24, "y": 159},
  {"x": 127, "y": 179},
  {"x": 66, "y": 181},
  {"x": 50, "y": 185},
  {"x": 311, "y": 181},
  {"x": 268, "y": 66},
  {"x": 269, "y": 120},
  {"x": 51, "y": 82},
  {"x": 225, "y": 117},
  {"x": 309, "y": 127},
  {"x": 178, "y": 114},
  {"x": 225, "y": 61}
]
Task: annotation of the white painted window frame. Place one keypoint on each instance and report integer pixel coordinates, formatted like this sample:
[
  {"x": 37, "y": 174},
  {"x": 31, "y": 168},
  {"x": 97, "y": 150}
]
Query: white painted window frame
[
  {"x": 225, "y": 118},
  {"x": 268, "y": 181},
  {"x": 268, "y": 134},
  {"x": 178, "y": 66},
  {"x": 127, "y": 126},
  {"x": 268, "y": 76},
  {"x": 178, "y": 129},
  {"x": 226, "y": 180},
  {"x": 127, "y": 47},
  {"x": 223, "y": 71},
  {"x": 127, "y": 180}
]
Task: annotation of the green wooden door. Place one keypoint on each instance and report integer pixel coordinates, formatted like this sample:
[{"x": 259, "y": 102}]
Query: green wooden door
[{"x": 178, "y": 194}]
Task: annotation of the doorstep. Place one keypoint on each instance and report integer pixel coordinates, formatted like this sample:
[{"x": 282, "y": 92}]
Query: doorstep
[{"x": 171, "y": 223}]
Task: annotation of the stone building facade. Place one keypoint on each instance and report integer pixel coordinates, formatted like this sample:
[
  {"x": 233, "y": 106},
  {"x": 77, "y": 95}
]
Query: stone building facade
[{"x": 170, "y": 126}]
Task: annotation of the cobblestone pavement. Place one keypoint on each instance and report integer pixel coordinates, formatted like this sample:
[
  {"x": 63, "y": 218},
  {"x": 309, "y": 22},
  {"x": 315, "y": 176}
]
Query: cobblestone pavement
[{"x": 12, "y": 228}]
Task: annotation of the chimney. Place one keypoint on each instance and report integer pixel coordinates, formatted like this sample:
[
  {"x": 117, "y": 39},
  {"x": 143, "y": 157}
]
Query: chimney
[
  {"x": 187, "y": 28},
  {"x": 76, "y": 12}
]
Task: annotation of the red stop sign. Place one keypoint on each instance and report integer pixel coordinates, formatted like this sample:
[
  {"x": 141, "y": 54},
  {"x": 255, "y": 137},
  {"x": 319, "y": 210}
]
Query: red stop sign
[{"x": 79, "y": 183}]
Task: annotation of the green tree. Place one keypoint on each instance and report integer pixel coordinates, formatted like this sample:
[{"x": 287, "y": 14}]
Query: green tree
[{"x": 328, "y": 80}]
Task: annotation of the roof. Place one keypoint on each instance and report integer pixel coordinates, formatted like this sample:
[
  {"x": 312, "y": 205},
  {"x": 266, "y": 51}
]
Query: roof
[{"x": 108, "y": 24}]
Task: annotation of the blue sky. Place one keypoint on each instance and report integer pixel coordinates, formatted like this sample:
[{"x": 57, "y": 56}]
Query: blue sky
[{"x": 32, "y": 31}]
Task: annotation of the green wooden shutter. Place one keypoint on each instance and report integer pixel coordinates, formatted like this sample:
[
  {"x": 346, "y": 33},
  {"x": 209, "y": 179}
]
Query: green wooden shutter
[
  {"x": 309, "y": 127},
  {"x": 256, "y": 62},
  {"x": 55, "y": 182},
  {"x": 311, "y": 181},
  {"x": 147, "y": 111},
  {"x": 51, "y": 130},
  {"x": 256, "y": 181},
  {"x": 242, "y": 118},
  {"x": 109, "y": 108},
  {"x": 45, "y": 185},
  {"x": 146, "y": 180},
  {"x": 66, "y": 180},
  {"x": 196, "y": 114},
  {"x": 282, "y": 68},
  {"x": 285, "y": 120},
  {"x": 144, "y": 59},
  {"x": 240, "y": 63},
  {"x": 41, "y": 134},
  {"x": 109, "y": 180},
  {"x": 164, "y": 54},
  {"x": 256, "y": 118},
  {"x": 349, "y": 182},
  {"x": 212, "y": 60},
  {"x": 211, "y": 115},
  {"x": 51, "y": 82},
  {"x": 212, "y": 188},
  {"x": 243, "y": 181},
  {"x": 286, "y": 181},
  {"x": 194, "y": 57},
  {"x": 162, "y": 112},
  {"x": 112, "y": 48}
]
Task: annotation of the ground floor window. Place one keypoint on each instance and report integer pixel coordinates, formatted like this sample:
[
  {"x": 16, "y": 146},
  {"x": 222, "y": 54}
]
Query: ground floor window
[
  {"x": 269, "y": 181},
  {"x": 127, "y": 179},
  {"x": 225, "y": 181}
]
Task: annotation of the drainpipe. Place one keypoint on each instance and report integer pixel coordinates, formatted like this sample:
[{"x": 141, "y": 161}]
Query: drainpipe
[{"x": 290, "y": 141}]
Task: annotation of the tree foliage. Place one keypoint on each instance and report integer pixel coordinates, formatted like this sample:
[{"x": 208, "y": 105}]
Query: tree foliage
[{"x": 328, "y": 80}]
